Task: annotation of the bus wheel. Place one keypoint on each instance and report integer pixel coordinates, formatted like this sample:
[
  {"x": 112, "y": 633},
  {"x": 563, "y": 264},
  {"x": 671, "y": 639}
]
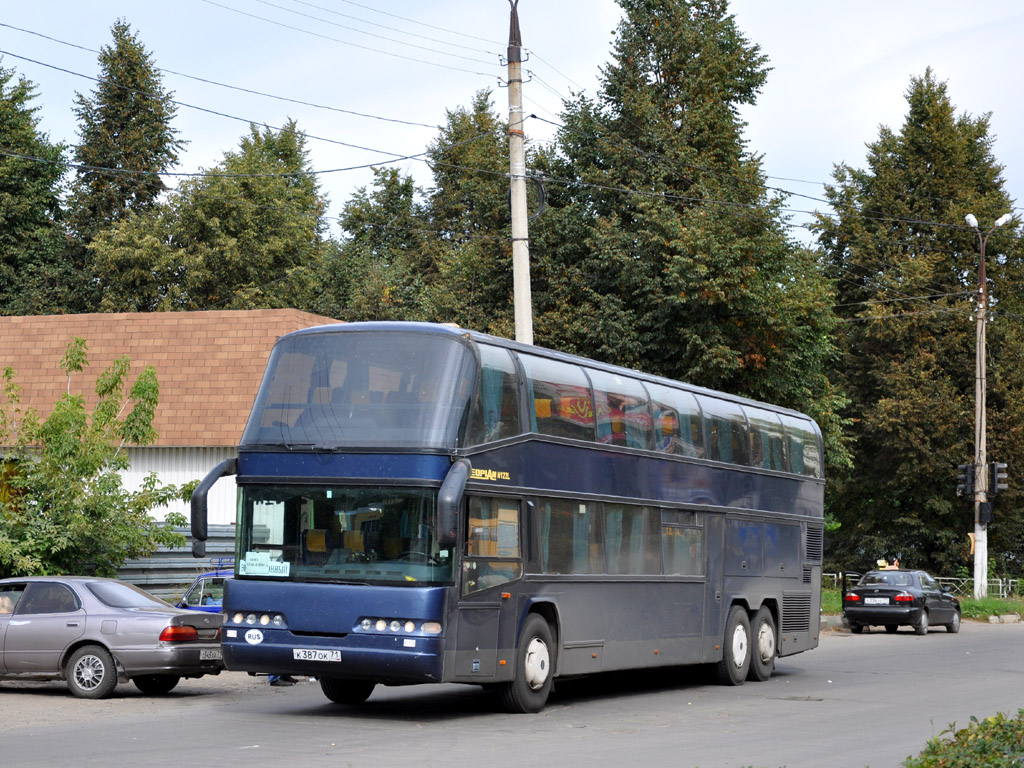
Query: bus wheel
[
  {"x": 534, "y": 672},
  {"x": 762, "y": 655},
  {"x": 342, "y": 691},
  {"x": 732, "y": 669}
]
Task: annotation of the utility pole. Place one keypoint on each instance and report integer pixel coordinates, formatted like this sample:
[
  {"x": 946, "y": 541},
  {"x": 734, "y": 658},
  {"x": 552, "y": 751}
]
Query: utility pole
[
  {"x": 522, "y": 299},
  {"x": 982, "y": 506}
]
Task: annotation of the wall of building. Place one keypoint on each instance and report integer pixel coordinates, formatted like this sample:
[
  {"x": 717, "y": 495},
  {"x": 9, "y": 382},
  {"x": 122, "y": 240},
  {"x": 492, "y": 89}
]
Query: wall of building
[{"x": 181, "y": 465}]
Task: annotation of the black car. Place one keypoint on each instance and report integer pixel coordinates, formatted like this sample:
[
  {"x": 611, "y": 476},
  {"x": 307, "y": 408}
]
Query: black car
[{"x": 896, "y": 597}]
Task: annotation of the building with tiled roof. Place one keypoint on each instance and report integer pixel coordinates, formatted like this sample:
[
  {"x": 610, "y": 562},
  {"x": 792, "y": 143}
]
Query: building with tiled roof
[{"x": 208, "y": 364}]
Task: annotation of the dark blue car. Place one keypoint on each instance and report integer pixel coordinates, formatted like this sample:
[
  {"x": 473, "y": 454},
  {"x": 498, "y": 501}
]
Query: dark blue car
[{"x": 207, "y": 591}]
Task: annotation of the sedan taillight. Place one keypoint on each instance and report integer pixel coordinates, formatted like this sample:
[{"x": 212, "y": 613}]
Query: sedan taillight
[
  {"x": 904, "y": 597},
  {"x": 852, "y": 598},
  {"x": 175, "y": 634}
]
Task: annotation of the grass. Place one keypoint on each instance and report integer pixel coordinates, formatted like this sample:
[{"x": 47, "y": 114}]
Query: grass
[{"x": 832, "y": 603}]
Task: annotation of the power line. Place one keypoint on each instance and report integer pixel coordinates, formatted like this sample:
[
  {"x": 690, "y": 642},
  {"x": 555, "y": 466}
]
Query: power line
[
  {"x": 346, "y": 42},
  {"x": 234, "y": 87}
]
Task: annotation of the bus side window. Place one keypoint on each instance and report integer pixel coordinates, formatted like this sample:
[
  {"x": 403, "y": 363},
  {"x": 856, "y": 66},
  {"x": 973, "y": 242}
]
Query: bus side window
[
  {"x": 632, "y": 540},
  {"x": 682, "y": 550},
  {"x": 725, "y": 428},
  {"x": 495, "y": 412},
  {"x": 677, "y": 422},
  {"x": 492, "y": 544},
  {"x": 559, "y": 394},
  {"x": 766, "y": 439},
  {"x": 623, "y": 416},
  {"x": 802, "y": 442},
  {"x": 568, "y": 537}
]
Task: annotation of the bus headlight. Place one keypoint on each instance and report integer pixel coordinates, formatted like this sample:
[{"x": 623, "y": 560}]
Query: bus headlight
[{"x": 432, "y": 627}]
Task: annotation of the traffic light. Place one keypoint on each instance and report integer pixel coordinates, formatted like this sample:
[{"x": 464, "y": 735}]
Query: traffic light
[
  {"x": 965, "y": 480},
  {"x": 996, "y": 478}
]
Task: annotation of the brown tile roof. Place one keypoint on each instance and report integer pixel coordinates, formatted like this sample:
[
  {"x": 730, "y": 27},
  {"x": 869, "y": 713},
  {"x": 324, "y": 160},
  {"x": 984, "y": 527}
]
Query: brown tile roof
[{"x": 208, "y": 364}]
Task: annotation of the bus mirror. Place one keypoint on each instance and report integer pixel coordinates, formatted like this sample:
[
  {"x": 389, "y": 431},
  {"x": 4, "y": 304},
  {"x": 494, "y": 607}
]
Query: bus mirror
[
  {"x": 448, "y": 500},
  {"x": 199, "y": 529}
]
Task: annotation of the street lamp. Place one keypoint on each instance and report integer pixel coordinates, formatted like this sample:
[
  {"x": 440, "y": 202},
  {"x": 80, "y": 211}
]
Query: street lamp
[{"x": 982, "y": 506}]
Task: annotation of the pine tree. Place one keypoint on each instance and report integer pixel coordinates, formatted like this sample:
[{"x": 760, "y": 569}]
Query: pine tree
[
  {"x": 905, "y": 267},
  {"x": 32, "y": 275},
  {"x": 665, "y": 229},
  {"x": 126, "y": 141}
]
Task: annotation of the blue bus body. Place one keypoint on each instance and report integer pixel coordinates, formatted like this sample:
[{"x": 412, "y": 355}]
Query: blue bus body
[{"x": 419, "y": 503}]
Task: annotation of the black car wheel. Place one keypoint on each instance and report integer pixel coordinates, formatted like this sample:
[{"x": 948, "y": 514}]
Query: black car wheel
[
  {"x": 921, "y": 627},
  {"x": 856, "y": 628},
  {"x": 954, "y": 626},
  {"x": 90, "y": 672},
  {"x": 891, "y": 628}
]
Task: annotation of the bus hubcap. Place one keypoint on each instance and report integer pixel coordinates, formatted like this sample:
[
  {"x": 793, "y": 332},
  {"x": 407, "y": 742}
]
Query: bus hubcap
[
  {"x": 537, "y": 664},
  {"x": 739, "y": 646},
  {"x": 766, "y": 643}
]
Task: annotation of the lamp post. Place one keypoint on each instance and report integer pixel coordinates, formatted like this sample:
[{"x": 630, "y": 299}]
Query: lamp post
[{"x": 981, "y": 503}]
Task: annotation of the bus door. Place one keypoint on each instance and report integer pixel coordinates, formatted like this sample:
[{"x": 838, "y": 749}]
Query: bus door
[
  {"x": 714, "y": 610},
  {"x": 492, "y": 559}
]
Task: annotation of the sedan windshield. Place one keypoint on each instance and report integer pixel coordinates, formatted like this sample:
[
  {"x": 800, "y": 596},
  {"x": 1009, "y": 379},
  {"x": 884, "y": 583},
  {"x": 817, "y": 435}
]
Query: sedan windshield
[{"x": 117, "y": 594}]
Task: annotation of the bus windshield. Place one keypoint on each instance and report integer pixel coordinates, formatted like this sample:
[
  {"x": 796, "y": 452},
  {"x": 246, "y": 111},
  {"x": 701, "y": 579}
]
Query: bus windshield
[
  {"x": 362, "y": 389},
  {"x": 372, "y": 534}
]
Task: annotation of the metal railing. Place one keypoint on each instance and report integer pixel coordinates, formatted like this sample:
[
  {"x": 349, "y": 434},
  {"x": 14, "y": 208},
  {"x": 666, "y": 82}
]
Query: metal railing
[{"x": 961, "y": 587}]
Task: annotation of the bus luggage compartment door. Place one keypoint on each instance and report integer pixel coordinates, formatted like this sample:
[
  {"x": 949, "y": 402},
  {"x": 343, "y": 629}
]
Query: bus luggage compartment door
[{"x": 476, "y": 640}]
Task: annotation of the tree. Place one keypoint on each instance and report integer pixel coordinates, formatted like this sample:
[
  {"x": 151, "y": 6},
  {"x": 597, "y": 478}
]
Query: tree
[
  {"x": 663, "y": 228},
  {"x": 33, "y": 277},
  {"x": 126, "y": 141},
  {"x": 247, "y": 234},
  {"x": 470, "y": 270},
  {"x": 63, "y": 508},
  {"x": 905, "y": 267},
  {"x": 382, "y": 264}
]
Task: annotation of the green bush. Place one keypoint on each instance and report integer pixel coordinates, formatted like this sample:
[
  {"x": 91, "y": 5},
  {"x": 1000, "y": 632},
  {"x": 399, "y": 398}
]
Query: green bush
[{"x": 994, "y": 742}]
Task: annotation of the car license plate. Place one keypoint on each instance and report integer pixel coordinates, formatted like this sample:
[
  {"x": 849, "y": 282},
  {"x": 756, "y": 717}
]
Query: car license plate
[
  {"x": 210, "y": 654},
  {"x": 315, "y": 654},
  {"x": 876, "y": 601}
]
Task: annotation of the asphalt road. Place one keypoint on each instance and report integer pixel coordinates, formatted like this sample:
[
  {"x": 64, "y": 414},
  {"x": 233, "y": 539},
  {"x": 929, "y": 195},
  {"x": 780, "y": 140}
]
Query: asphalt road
[{"x": 857, "y": 700}]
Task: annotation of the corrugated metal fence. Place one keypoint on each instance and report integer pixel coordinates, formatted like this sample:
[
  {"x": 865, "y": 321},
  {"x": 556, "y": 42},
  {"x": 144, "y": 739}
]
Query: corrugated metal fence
[{"x": 167, "y": 573}]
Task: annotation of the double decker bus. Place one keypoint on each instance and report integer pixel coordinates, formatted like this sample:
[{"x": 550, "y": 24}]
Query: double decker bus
[{"x": 421, "y": 503}]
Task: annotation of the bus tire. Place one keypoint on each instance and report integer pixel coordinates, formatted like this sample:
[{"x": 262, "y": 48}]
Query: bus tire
[
  {"x": 732, "y": 669},
  {"x": 351, "y": 692},
  {"x": 528, "y": 691},
  {"x": 765, "y": 645}
]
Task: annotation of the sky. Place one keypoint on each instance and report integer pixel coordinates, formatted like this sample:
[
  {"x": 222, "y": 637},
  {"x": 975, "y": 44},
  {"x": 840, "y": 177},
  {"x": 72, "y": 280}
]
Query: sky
[{"x": 370, "y": 81}]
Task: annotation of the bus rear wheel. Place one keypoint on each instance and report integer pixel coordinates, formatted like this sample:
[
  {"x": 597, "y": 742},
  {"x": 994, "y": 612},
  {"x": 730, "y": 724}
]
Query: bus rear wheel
[
  {"x": 342, "y": 691},
  {"x": 762, "y": 654},
  {"x": 535, "y": 668},
  {"x": 735, "y": 663}
]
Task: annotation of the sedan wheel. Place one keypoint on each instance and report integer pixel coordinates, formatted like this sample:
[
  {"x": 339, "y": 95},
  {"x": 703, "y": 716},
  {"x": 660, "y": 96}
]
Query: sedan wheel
[
  {"x": 90, "y": 673},
  {"x": 954, "y": 626},
  {"x": 921, "y": 627}
]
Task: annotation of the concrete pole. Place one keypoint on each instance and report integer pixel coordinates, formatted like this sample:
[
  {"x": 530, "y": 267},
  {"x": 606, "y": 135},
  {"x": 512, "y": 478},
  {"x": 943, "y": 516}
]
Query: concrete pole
[
  {"x": 980, "y": 436},
  {"x": 522, "y": 299}
]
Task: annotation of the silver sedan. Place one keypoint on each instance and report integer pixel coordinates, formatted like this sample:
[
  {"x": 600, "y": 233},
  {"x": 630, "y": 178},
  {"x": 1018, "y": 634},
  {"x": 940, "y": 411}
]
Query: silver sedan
[{"x": 95, "y": 632}]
